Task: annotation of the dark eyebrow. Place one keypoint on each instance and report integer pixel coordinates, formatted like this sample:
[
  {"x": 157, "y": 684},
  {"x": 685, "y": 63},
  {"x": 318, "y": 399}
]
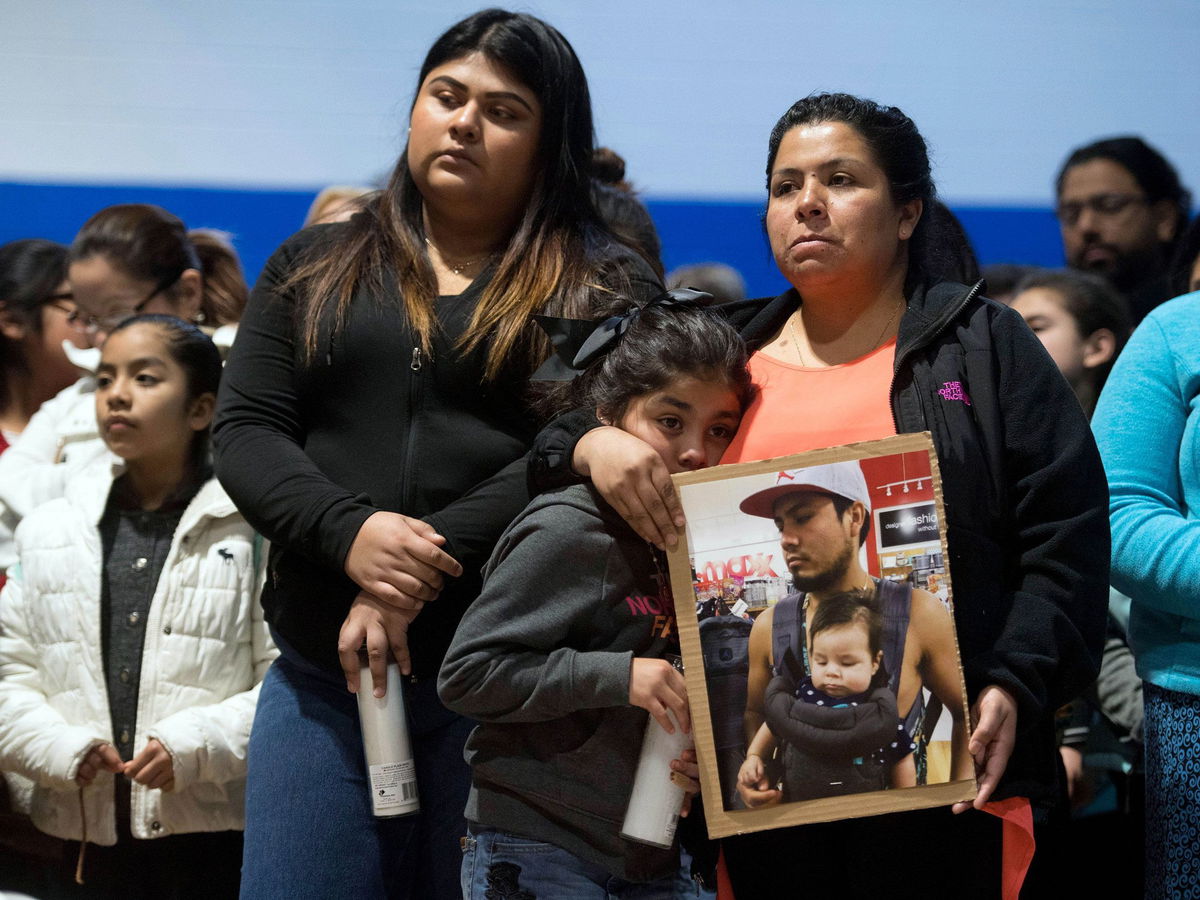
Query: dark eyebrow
[
  {"x": 491, "y": 95},
  {"x": 140, "y": 363},
  {"x": 681, "y": 405},
  {"x": 792, "y": 171},
  {"x": 684, "y": 406}
]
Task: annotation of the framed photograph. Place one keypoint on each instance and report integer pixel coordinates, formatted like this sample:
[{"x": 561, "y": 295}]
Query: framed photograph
[{"x": 815, "y": 611}]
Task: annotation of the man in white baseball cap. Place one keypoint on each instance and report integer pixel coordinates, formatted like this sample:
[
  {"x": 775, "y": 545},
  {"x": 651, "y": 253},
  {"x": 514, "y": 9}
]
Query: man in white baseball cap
[{"x": 824, "y": 514}]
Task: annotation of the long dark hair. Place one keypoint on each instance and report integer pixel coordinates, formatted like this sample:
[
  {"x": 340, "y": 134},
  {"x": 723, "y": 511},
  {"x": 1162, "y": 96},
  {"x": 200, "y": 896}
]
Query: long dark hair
[
  {"x": 547, "y": 264},
  {"x": 151, "y": 244},
  {"x": 30, "y": 270},
  {"x": 901, "y": 153}
]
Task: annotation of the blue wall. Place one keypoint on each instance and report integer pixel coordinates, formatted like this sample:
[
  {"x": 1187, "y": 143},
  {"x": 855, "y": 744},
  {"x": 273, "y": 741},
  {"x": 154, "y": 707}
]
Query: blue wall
[
  {"x": 691, "y": 230},
  {"x": 232, "y": 113}
]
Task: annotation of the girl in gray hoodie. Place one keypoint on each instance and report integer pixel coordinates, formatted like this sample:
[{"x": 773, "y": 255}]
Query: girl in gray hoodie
[{"x": 561, "y": 657}]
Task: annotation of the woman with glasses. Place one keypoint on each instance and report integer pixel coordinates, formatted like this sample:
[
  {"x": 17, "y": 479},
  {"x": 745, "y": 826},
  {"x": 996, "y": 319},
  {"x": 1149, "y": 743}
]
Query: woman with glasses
[
  {"x": 36, "y": 309},
  {"x": 35, "y": 313},
  {"x": 136, "y": 258},
  {"x": 127, "y": 259},
  {"x": 1121, "y": 208}
]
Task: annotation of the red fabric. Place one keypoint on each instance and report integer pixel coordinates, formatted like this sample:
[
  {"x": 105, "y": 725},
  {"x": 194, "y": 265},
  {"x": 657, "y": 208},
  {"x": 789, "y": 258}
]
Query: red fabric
[
  {"x": 1019, "y": 845},
  {"x": 724, "y": 886}
]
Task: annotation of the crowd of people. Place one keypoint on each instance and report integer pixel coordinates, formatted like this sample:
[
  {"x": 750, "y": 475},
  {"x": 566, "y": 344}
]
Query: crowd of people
[{"x": 440, "y": 432}]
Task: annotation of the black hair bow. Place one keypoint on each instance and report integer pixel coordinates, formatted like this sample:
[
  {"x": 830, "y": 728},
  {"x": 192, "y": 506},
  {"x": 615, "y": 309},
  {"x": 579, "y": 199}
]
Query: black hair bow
[{"x": 580, "y": 342}]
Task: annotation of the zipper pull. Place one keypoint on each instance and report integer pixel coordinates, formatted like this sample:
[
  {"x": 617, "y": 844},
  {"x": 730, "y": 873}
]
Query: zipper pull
[{"x": 415, "y": 365}]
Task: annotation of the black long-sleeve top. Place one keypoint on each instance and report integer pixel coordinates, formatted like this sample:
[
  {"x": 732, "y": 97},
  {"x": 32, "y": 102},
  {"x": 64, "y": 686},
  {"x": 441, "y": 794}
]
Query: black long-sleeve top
[{"x": 310, "y": 450}]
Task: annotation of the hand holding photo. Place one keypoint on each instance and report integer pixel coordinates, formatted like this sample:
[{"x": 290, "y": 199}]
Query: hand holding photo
[{"x": 821, "y": 658}]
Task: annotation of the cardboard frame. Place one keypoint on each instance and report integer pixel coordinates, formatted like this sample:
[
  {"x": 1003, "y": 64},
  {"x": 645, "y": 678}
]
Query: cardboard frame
[{"x": 745, "y": 570}]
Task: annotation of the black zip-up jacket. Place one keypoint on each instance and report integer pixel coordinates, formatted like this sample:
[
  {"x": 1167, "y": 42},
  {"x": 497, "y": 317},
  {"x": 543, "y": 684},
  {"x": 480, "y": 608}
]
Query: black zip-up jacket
[
  {"x": 308, "y": 451},
  {"x": 1025, "y": 496}
]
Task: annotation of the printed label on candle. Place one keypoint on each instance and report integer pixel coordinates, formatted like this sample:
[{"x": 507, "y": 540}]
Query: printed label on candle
[{"x": 394, "y": 787}]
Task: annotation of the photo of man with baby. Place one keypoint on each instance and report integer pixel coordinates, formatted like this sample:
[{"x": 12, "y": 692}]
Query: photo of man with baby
[{"x": 824, "y": 636}]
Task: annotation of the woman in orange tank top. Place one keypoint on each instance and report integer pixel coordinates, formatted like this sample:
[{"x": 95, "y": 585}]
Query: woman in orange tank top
[{"x": 871, "y": 340}]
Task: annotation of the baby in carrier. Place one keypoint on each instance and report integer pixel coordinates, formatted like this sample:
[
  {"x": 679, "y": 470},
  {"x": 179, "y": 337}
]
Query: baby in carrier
[{"x": 839, "y": 726}]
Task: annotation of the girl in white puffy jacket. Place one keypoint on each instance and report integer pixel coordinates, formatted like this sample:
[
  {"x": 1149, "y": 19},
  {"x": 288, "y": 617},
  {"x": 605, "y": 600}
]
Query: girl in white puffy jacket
[{"x": 132, "y": 642}]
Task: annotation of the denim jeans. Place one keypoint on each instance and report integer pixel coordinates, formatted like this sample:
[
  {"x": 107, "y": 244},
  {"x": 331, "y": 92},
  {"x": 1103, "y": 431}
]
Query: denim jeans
[
  {"x": 310, "y": 831},
  {"x": 501, "y": 866}
]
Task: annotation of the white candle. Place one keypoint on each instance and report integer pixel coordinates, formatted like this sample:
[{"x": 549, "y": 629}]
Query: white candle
[
  {"x": 391, "y": 772},
  {"x": 656, "y": 800}
]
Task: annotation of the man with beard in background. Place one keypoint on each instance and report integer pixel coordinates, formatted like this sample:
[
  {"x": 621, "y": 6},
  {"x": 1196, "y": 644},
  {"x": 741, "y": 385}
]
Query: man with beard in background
[
  {"x": 823, "y": 514},
  {"x": 1121, "y": 208}
]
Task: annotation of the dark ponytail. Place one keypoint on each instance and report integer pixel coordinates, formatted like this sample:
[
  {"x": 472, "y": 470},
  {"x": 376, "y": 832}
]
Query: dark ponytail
[{"x": 225, "y": 289}]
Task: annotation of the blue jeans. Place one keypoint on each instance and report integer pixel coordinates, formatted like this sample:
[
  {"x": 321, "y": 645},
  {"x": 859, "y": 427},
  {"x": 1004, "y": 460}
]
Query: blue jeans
[
  {"x": 498, "y": 865},
  {"x": 310, "y": 832}
]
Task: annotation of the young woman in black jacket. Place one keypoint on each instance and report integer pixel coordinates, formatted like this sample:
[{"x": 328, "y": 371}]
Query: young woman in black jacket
[
  {"x": 372, "y": 425},
  {"x": 1024, "y": 491}
]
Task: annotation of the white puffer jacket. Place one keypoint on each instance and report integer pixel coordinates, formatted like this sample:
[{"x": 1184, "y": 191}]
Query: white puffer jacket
[{"x": 206, "y": 650}]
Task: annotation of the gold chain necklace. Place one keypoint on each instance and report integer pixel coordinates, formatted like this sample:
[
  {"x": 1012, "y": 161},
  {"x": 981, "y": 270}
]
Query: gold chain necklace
[
  {"x": 791, "y": 323},
  {"x": 462, "y": 267}
]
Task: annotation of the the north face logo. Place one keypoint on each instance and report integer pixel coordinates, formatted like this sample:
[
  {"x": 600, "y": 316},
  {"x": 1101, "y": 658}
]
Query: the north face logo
[{"x": 953, "y": 390}]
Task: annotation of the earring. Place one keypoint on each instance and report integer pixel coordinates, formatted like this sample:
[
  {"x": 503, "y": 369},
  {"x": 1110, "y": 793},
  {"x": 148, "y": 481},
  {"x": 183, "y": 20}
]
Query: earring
[{"x": 198, "y": 318}]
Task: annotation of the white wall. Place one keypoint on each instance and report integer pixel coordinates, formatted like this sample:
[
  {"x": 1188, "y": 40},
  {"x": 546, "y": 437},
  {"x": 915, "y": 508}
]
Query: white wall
[{"x": 303, "y": 93}]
